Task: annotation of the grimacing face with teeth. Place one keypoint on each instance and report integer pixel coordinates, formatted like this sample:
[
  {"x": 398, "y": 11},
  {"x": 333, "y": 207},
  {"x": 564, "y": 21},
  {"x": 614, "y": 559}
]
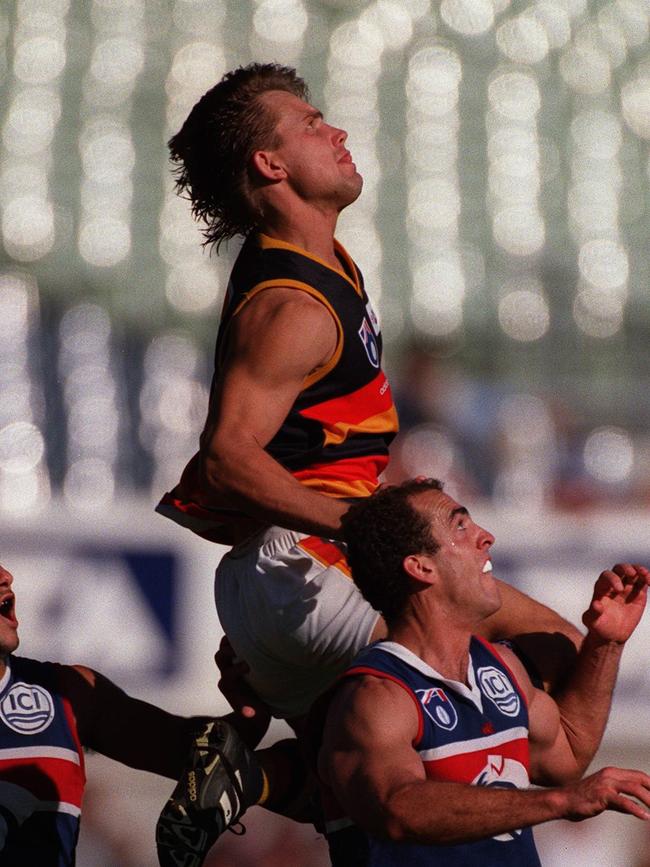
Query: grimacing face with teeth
[{"x": 8, "y": 621}]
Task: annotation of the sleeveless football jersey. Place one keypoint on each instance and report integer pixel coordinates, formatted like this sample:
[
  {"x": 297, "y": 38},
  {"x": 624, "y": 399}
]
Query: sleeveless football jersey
[
  {"x": 476, "y": 735},
  {"x": 335, "y": 437},
  {"x": 42, "y": 774}
]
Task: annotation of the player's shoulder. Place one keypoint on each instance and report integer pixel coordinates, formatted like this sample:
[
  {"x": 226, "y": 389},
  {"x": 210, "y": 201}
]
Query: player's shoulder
[
  {"x": 286, "y": 302},
  {"x": 374, "y": 700}
]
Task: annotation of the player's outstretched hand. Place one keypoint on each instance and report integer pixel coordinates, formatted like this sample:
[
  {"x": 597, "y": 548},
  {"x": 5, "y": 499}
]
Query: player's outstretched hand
[
  {"x": 609, "y": 789},
  {"x": 618, "y": 602},
  {"x": 232, "y": 684}
]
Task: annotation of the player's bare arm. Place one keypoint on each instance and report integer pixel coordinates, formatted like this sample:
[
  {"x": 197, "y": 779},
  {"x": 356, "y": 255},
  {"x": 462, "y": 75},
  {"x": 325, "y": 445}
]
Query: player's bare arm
[
  {"x": 277, "y": 340},
  {"x": 565, "y": 732},
  {"x": 368, "y": 760},
  {"x": 547, "y": 639},
  {"x": 127, "y": 729}
]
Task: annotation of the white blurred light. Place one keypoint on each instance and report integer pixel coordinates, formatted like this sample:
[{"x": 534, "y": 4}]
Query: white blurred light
[
  {"x": 524, "y": 315},
  {"x": 635, "y": 103},
  {"x": 23, "y": 494},
  {"x": 181, "y": 406},
  {"x": 117, "y": 60},
  {"x": 99, "y": 198},
  {"x": 357, "y": 44},
  {"x": 171, "y": 353},
  {"x": 28, "y": 227},
  {"x": 434, "y": 71},
  {"x": 197, "y": 66},
  {"x": 519, "y": 229},
  {"x": 17, "y": 299},
  {"x": 427, "y": 450},
  {"x": 609, "y": 454},
  {"x": 597, "y": 133},
  {"x": 469, "y": 17},
  {"x": 604, "y": 263},
  {"x": 553, "y": 16},
  {"x": 21, "y": 447},
  {"x": 89, "y": 484},
  {"x": 633, "y": 18},
  {"x": 594, "y": 206},
  {"x": 39, "y": 60},
  {"x": 393, "y": 20},
  {"x": 611, "y": 35},
  {"x": 585, "y": 68},
  {"x": 104, "y": 241},
  {"x": 438, "y": 292},
  {"x": 85, "y": 330},
  {"x": 523, "y": 39},
  {"x": 193, "y": 290},
  {"x": 526, "y": 422},
  {"x": 281, "y": 21},
  {"x": 515, "y": 95},
  {"x": 434, "y": 202},
  {"x": 108, "y": 156},
  {"x": 31, "y": 120},
  {"x": 598, "y": 313}
]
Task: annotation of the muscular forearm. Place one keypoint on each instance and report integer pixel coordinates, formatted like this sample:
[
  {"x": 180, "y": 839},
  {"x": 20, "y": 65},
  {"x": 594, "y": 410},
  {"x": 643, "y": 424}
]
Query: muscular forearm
[
  {"x": 438, "y": 813},
  {"x": 258, "y": 485},
  {"x": 585, "y": 700}
]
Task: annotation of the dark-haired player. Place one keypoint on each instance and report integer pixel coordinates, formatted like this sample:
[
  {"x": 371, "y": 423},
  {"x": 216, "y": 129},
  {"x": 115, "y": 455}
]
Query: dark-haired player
[
  {"x": 433, "y": 734},
  {"x": 300, "y": 415}
]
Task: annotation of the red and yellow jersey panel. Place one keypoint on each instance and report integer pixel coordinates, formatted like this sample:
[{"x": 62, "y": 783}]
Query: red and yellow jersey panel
[{"x": 336, "y": 435}]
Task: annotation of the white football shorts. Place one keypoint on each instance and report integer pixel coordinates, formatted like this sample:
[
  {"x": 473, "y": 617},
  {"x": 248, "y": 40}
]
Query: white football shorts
[{"x": 291, "y": 611}]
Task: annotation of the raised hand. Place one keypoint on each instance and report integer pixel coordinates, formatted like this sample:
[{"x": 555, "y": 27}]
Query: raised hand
[
  {"x": 609, "y": 789},
  {"x": 618, "y": 602}
]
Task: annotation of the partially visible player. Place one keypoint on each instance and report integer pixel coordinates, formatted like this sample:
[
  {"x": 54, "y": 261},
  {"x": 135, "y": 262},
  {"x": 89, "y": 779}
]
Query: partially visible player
[
  {"x": 48, "y": 714},
  {"x": 433, "y": 734}
]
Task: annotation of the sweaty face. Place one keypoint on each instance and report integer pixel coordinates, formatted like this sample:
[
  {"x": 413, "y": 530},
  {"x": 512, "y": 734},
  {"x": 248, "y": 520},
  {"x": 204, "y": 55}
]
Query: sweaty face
[
  {"x": 318, "y": 166},
  {"x": 8, "y": 622},
  {"x": 463, "y": 559}
]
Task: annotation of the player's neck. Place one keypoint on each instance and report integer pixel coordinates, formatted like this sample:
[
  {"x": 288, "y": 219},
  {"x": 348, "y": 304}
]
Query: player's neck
[
  {"x": 309, "y": 228},
  {"x": 442, "y": 644}
]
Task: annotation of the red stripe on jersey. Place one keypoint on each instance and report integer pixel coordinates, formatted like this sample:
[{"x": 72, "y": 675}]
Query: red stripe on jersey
[
  {"x": 325, "y": 553},
  {"x": 348, "y": 477},
  {"x": 464, "y": 767},
  {"x": 47, "y": 779},
  {"x": 371, "y": 399}
]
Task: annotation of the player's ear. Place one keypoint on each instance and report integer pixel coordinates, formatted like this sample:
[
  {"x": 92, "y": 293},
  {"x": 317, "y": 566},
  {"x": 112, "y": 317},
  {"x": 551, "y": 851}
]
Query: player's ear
[
  {"x": 268, "y": 166},
  {"x": 420, "y": 566}
]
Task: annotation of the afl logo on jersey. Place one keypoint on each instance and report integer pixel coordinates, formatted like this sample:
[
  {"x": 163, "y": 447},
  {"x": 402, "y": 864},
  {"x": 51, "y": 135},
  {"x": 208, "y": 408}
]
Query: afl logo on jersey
[
  {"x": 496, "y": 686},
  {"x": 27, "y": 709},
  {"x": 370, "y": 342},
  {"x": 438, "y": 708}
]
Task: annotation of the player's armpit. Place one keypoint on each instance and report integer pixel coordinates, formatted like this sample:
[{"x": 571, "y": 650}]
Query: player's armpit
[{"x": 549, "y": 641}]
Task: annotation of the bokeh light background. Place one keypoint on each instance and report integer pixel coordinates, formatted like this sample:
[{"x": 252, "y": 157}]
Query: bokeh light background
[{"x": 502, "y": 232}]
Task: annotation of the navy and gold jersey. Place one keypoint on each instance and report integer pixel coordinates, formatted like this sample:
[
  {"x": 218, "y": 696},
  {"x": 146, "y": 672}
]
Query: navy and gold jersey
[
  {"x": 42, "y": 775},
  {"x": 335, "y": 437}
]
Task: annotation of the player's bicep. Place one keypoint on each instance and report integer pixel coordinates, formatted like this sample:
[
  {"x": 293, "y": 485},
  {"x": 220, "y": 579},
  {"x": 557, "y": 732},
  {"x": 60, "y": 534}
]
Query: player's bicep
[
  {"x": 367, "y": 753},
  {"x": 275, "y": 343}
]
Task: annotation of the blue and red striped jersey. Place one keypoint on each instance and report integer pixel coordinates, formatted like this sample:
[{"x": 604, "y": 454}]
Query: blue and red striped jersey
[{"x": 42, "y": 775}]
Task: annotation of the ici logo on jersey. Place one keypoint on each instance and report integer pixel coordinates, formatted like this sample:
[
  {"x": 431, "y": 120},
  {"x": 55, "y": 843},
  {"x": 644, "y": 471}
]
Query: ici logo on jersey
[{"x": 27, "y": 709}]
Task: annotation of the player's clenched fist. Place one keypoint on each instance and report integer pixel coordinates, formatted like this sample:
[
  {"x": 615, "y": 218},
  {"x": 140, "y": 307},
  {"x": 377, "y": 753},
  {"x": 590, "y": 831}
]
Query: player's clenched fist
[
  {"x": 609, "y": 789},
  {"x": 618, "y": 602}
]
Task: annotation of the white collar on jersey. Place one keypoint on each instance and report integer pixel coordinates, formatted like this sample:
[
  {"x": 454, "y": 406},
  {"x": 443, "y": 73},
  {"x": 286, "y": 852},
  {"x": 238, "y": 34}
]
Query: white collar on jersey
[
  {"x": 471, "y": 692},
  {"x": 5, "y": 677}
]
